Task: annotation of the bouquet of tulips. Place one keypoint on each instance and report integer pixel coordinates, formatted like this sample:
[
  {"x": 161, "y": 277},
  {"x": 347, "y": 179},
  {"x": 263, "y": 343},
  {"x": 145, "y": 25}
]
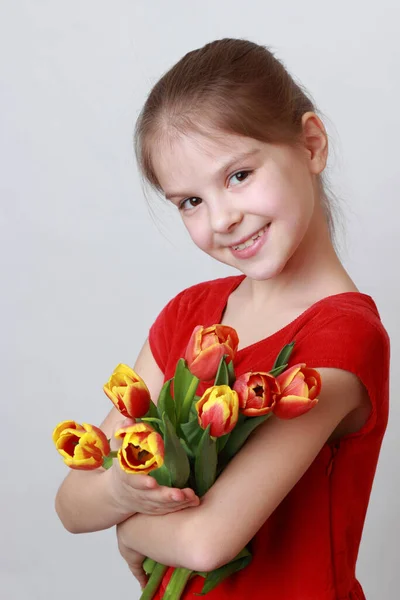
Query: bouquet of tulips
[{"x": 187, "y": 440}]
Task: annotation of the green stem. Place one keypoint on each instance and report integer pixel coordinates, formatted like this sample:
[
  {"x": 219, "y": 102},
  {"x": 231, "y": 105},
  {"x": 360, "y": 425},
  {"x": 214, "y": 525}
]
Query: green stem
[
  {"x": 187, "y": 401},
  {"x": 148, "y": 565},
  {"x": 177, "y": 583},
  {"x": 108, "y": 460},
  {"x": 154, "y": 581}
]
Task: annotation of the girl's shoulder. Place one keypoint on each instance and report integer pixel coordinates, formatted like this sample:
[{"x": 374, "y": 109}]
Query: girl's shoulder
[{"x": 346, "y": 313}]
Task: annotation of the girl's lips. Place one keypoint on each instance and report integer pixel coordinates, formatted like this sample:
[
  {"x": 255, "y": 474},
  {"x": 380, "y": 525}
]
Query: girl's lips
[{"x": 254, "y": 248}]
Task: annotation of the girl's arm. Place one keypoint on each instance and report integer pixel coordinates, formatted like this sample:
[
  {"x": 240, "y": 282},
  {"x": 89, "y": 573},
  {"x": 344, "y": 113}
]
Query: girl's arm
[{"x": 254, "y": 483}]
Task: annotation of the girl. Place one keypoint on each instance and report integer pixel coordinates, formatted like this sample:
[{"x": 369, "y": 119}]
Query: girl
[{"x": 235, "y": 144}]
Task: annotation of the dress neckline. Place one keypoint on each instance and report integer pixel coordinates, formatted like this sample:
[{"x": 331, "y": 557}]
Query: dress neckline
[{"x": 237, "y": 280}]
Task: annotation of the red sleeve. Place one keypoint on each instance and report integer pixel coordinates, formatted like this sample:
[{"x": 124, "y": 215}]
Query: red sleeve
[
  {"x": 162, "y": 331},
  {"x": 357, "y": 342}
]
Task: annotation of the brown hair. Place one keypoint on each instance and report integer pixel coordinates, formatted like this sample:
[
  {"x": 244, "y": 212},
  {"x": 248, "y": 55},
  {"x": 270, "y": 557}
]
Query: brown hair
[{"x": 229, "y": 85}]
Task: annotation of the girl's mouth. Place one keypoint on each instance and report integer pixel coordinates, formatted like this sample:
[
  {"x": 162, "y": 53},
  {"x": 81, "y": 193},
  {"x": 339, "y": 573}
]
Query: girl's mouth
[{"x": 251, "y": 246}]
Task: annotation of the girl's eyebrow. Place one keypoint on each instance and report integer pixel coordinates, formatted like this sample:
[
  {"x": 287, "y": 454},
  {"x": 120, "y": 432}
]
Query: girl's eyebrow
[
  {"x": 239, "y": 158},
  {"x": 226, "y": 167}
]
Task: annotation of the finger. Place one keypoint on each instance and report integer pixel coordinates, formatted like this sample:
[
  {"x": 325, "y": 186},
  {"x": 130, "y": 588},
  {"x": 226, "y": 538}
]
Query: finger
[
  {"x": 173, "y": 496},
  {"x": 141, "y": 482},
  {"x": 176, "y": 495},
  {"x": 139, "y": 575},
  {"x": 164, "y": 509},
  {"x": 190, "y": 494}
]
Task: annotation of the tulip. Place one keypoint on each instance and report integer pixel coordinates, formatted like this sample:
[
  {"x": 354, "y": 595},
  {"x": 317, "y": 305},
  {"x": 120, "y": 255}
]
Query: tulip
[
  {"x": 82, "y": 446},
  {"x": 257, "y": 393},
  {"x": 206, "y": 347},
  {"x": 218, "y": 406},
  {"x": 128, "y": 392},
  {"x": 142, "y": 448},
  {"x": 299, "y": 387}
]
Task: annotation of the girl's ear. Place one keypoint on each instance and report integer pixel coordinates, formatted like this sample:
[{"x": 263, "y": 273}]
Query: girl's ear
[{"x": 315, "y": 142}]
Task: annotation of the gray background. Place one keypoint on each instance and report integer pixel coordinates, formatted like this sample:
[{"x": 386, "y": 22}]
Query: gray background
[{"x": 85, "y": 268}]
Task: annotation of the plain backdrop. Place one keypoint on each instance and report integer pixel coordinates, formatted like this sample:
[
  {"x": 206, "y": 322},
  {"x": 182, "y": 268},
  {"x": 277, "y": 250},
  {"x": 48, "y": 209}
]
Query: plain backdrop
[{"x": 86, "y": 267}]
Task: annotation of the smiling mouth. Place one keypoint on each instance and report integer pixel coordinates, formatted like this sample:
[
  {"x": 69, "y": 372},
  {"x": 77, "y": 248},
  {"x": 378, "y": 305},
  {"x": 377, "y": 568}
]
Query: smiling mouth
[{"x": 251, "y": 240}]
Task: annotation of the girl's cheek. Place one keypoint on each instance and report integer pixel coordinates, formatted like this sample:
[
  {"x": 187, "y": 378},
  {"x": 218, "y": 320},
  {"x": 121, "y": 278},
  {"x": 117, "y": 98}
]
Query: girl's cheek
[{"x": 197, "y": 233}]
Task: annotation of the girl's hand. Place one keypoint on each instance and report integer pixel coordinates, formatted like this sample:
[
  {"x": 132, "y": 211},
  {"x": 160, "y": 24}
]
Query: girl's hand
[
  {"x": 134, "y": 559},
  {"x": 134, "y": 493}
]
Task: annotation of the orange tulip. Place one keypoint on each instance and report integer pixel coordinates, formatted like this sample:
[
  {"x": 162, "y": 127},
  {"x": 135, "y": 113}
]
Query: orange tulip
[
  {"x": 128, "y": 392},
  {"x": 82, "y": 446},
  {"x": 142, "y": 448},
  {"x": 257, "y": 393},
  {"x": 299, "y": 387},
  {"x": 206, "y": 347},
  {"x": 218, "y": 406}
]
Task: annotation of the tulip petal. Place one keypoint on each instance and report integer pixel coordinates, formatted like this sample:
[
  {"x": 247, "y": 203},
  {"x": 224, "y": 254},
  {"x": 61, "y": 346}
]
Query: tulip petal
[
  {"x": 128, "y": 392},
  {"x": 287, "y": 376},
  {"x": 290, "y": 407},
  {"x": 205, "y": 366},
  {"x": 98, "y": 438},
  {"x": 81, "y": 446},
  {"x": 257, "y": 392},
  {"x": 142, "y": 448},
  {"x": 207, "y": 346},
  {"x": 219, "y": 408},
  {"x": 62, "y": 426}
]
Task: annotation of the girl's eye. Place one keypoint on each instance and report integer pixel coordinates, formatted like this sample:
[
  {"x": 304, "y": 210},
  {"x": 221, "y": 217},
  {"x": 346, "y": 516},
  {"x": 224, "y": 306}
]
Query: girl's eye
[
  {"x": 240, "y": 176},
  {"x": 193, "y": 199}
]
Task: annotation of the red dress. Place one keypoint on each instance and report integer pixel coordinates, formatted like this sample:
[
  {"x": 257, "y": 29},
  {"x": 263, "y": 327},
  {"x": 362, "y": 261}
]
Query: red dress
[{"x": 307, "y": 549}]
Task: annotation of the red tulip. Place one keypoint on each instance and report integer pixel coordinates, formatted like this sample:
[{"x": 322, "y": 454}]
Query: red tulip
[
  {"x": 207, "y": 346},
  {"x": 82, "y": 446},
  {"x": 218, "y": 406},
  {"x": 142, "y": 448},
  {"x": 299, "y": 387},
  {"x": 128, "y": 392},
  {"x": 257, "y": 393}
]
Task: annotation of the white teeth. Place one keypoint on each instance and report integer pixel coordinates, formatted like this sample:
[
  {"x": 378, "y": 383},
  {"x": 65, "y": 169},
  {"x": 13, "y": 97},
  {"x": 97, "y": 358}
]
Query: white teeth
[{"x": 250, "y": 241}]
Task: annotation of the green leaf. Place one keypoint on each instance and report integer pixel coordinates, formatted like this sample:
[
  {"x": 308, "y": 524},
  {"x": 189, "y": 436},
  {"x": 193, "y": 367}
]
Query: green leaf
[
  {"x": 152, "y": 412},
  {"x": 284, "y": 355},
  {"x": 278, "y": 370},
  {"x": 175, "y": 457},
  {"x": 152, "y": 420},
  {"x": 231, "y": 372},
  {"x": 188, "y": 450},
  {"x": 192, "y": 432},
  {"x": 205, "y": 463},
  {"x": 222, "y": 441},
  {"x": 166, "y": 402},
  {"x": 222, "y": 376},
  {"x": 193, "y": 410},
  {"x": 215, "y": 577},
  {"x": 162, "y": 475},
  {"x": 183, "y": 380},
  {"x": 239, "y": 435},
  {"x": 188, "y": 400}
]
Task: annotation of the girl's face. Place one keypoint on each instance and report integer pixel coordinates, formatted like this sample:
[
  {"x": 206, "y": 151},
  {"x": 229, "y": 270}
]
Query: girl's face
[{"x": 230, "y": 189}]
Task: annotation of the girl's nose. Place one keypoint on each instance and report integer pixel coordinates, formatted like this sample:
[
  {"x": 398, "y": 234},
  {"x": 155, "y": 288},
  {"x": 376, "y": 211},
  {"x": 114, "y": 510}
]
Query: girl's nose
[{"x": 224, "y": 217}]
